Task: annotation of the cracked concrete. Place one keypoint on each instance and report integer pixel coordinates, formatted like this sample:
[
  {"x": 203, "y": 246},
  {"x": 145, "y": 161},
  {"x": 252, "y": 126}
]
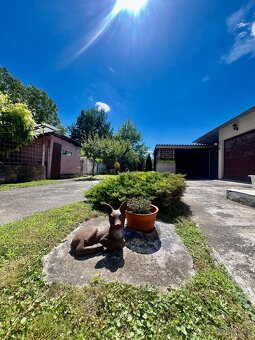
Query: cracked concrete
[
  {"x": 159, "y": 259},
  {"x": 229, "y": 227}
]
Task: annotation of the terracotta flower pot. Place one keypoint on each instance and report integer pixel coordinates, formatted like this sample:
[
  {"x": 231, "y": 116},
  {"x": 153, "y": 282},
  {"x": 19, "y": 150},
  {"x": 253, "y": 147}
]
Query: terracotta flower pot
[{"x": 142, "y": 222}]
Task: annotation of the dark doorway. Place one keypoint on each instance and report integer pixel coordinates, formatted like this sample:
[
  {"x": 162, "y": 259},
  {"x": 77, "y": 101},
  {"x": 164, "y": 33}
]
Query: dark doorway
[
  {"x": 197, "y": 163},
  {"x": 239, "y": 156},
  {"x": 56, "y": 161}
]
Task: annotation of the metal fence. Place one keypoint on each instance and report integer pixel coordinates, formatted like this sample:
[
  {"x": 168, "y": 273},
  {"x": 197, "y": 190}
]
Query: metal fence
[{"x": 32, "y": 154}]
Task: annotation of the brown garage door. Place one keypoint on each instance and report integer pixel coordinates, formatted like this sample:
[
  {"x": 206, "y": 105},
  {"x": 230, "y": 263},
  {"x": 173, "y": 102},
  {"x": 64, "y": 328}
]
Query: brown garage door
[{"x": 239, "y": 156}]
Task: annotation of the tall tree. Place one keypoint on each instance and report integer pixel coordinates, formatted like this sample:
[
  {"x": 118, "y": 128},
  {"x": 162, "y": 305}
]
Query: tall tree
[
  {"x": 128, "y": 132},
  {"x": 43, "y": 108},
  {"x": 89, "y": 124},
  {"x": 148, "y": 164},
  {"x": 11, "y": 86}
]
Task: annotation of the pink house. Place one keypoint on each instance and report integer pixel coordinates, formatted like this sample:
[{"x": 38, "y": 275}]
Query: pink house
[
  {"x": 61, "y": 155},
  {"x": 50, "y": 155}
]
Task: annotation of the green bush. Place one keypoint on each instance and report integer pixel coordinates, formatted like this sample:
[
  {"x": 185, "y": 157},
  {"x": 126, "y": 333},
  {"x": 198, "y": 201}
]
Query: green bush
[{"x": 162, "y": 189}]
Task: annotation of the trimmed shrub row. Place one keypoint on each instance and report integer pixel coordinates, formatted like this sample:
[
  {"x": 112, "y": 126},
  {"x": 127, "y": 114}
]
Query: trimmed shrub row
[{"x": 162, "y": 189}]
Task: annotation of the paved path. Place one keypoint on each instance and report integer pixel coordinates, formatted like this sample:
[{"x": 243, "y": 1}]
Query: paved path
[
  {"x": 18, "y": 203},
  {"x": 229, "y": 227}
]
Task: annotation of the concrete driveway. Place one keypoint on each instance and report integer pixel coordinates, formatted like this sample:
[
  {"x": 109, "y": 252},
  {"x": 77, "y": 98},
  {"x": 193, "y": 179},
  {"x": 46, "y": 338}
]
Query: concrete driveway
[
  {"x": 18, "y": 203},
  {"x": 229, "y": 227}
]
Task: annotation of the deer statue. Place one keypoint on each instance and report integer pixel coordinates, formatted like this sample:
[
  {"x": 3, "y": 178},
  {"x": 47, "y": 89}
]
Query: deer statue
[{"x": 93, "y": 240}]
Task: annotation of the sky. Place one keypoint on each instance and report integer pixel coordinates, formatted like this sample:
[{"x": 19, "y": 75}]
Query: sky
[{"x": 176, "y": 69}]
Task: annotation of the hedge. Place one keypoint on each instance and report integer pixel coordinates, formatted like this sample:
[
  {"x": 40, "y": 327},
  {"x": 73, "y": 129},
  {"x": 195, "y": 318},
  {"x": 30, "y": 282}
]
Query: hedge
[{"x": 162, "y": 189}]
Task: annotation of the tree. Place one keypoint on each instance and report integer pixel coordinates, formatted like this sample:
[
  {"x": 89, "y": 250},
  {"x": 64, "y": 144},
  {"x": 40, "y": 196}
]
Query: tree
[
  {"x": 11, "y": 86},
  {"x": 89, "y": 124},
  {"x": 128, "y": 132},
  {"x": 43, "y": 108},
  {"x": 148, "y": 165},
  {"x": 109, "y": 151},
  {"x": 16, "y": 123}
]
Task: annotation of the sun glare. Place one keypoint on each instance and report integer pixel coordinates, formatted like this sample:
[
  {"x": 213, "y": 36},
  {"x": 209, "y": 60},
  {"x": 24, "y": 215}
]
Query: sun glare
[{"x": 132, "y": 6}]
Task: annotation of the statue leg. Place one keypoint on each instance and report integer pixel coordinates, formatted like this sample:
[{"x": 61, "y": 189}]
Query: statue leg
[{"x": 82, "y": 249}]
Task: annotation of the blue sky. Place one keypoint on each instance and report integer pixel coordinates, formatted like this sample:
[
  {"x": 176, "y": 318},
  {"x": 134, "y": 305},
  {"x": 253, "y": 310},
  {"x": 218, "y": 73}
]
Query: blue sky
[{"x": 177, "y": 70}]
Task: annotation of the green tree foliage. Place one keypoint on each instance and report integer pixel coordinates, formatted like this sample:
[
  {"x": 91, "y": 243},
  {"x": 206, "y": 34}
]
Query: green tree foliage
[
  {"x": 148, "y": 164},
  {"x": 89, "y": 125},
  {"x": 109, "y": 151},
  {"x": 42, "y": 107},
  {"x": 11, "y": 86},
  {"x": 128, "y": 132},
  {"x": 16, "y": 123}
]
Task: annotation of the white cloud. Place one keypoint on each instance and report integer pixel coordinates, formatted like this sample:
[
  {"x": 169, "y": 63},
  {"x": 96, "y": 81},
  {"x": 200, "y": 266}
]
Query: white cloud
[
  {"x": 243, "y": 31},
  {"x": 103, "y": 107},
  {"x": 242, "y": 24},
  {"x": 205, "y": 79},
  {"x": 253, "y": 30}
]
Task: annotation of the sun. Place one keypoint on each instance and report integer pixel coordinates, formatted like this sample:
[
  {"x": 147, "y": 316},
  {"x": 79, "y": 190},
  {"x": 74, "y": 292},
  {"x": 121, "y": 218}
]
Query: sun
[{"x": 132, "y": 6}]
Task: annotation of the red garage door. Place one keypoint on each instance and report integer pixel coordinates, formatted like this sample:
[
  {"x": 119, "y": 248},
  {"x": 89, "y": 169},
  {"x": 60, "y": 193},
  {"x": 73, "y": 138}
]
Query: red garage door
[{"x": 239, "y": 156}]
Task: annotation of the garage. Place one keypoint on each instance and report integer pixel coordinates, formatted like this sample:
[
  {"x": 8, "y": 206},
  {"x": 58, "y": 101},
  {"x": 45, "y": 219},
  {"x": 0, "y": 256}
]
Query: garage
[{"x": 239, "y": 156}]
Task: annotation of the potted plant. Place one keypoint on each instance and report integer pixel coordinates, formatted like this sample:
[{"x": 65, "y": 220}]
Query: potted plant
[{"x": 141, "y": 215}]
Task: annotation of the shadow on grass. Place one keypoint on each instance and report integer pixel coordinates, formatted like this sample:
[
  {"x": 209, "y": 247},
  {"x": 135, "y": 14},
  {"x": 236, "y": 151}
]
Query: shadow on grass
[{"x": 177, "y": 211}]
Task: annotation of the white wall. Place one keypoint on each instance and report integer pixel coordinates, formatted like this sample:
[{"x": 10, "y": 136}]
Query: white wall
[
  {"x": 166, "y": 167},
  {"x": 245, "y": 124}
]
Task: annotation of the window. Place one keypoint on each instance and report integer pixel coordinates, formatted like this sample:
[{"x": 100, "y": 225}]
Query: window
[{"x": 66, "y": 153}]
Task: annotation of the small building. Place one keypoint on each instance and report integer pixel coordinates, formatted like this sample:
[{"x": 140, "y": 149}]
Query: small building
[
  {"x": 193, "y": 160},
  {"x": 236, "y": 146},
  {"x": 61, "y": 154},
  {"x": 50, "y": 155}
]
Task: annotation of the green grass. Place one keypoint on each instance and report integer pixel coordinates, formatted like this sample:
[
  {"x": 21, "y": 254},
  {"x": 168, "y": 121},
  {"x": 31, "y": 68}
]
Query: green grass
[
  {"x": 11, "y": 186},
  {"x": 209, "y": 306}
]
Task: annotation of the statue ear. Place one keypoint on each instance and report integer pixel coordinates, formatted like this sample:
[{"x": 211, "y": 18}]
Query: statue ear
[
  {"x": 123, "y": 207},
  {"x": 108, "y": 208}
]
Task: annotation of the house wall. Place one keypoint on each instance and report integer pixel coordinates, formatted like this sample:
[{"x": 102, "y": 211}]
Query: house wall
[
  {"x": 165, "y": 167},
  {"x": 70, "y": 164},
  {"x": 245, "y": 124}
]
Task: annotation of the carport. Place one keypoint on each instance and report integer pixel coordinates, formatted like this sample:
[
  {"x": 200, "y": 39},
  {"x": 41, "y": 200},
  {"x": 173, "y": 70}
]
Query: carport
[{"x": 195, "y": 161}]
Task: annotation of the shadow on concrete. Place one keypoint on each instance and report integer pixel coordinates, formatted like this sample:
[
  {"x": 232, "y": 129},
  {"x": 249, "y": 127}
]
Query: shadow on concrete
[
  {"x": 86, "y": 179},
  {"x": 86, "y": 257},
  {"x": 142, "y": 243},
  {"x": 112, "y": 261},
  {"x": 175, "y": 212}
]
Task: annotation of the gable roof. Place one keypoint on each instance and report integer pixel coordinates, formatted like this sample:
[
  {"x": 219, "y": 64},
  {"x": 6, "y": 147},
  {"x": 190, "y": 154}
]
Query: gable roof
[{"x": 213, "y": 135}]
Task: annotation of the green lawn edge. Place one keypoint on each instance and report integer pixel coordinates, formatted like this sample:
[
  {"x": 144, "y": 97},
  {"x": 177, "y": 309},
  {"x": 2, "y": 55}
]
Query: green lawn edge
[
  {"x": 12, "y": 186},
  {"x": 209, "y": 306}
]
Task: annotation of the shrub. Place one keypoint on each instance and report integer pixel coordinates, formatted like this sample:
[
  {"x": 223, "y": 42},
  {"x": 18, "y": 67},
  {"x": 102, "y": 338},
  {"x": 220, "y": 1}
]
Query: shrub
[
  {"x": 139, "y": 205},
  {"x": 162, "y": 189}
]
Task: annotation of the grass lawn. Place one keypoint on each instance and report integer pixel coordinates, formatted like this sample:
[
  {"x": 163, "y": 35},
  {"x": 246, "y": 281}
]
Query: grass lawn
[
  {"x": 27, "y": 184},
  {"x": 209, "y": 306}
]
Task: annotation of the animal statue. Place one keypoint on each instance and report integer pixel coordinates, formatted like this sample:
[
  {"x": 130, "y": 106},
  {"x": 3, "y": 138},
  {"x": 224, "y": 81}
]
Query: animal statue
[{"x": 93, "y": 240}]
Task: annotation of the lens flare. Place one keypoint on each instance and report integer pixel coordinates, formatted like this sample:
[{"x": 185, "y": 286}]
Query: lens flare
[{"x": 132, "y": 6}]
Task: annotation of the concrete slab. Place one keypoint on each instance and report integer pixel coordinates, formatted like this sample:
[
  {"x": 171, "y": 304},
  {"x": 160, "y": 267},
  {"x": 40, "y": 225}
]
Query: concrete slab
[
  {"x": 229, "y": 227},
  {"x": 18, "y": 203},
  {"x": 244, "y": 196},
  {"x": 159, "y": 259}
]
